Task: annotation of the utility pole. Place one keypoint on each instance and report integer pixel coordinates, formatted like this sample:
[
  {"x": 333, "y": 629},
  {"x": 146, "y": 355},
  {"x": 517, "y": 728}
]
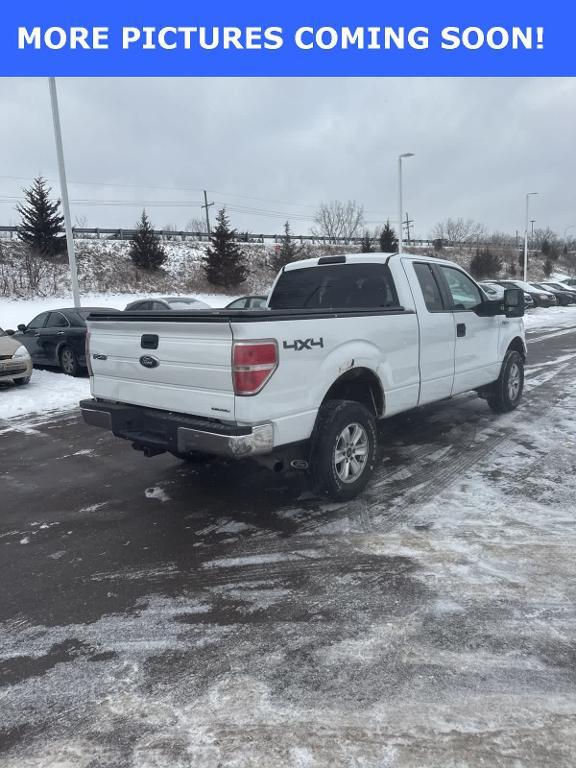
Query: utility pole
[
  {"x": 400, "y": 201},
  {"x": 408, "y": 223},
  {"x": 528, "y": 196},
  {"x": 64, "y": 191},
  {"x": 206, "y": 206}
]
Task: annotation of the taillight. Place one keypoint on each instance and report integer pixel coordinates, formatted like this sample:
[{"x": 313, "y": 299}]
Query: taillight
[
  {"x": 253, "y": 363},
  {"x": 87, "y": 353}
]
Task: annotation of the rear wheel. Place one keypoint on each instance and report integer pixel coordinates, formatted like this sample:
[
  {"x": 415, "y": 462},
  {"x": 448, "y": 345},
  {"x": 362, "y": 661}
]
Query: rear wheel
[
  {"x": 505, "y": 394},
  {"x": 69, "y": 362},
  {"x": 343, "y": 449}
]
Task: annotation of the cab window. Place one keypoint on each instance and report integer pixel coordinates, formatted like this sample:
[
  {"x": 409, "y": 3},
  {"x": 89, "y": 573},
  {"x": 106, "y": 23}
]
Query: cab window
[
  {"x": 464, "y": 292},
  {"x": 429, "y": 287}
]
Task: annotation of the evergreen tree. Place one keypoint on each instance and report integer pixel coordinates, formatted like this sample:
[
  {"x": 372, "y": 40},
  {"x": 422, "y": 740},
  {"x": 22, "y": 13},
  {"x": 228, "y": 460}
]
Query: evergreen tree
[
  {"x": 41, "y": 221},
  {"x": 485, "y": 264},
  {"x": 145, "y": 249},
  {"x": 366, "y": 244},
  {"x": 224, "y": 263},
  {"x": 388, "y": 240},
  {"x": 286, "y": 252}
]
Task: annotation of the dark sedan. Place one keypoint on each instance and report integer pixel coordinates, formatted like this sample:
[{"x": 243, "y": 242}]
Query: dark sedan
[
  {"x": 564, "y": 297},
  {"x": 57, "y": 338}
]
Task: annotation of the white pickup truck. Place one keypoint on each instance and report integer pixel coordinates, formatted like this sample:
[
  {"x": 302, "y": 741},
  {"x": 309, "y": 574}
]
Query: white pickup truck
[{"x": 344, "y": 341}]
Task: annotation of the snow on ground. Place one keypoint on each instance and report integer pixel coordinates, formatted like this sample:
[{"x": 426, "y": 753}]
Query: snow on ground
[
  {"x": 551, "y": 318},
  {"x": 48, "y": 391}
]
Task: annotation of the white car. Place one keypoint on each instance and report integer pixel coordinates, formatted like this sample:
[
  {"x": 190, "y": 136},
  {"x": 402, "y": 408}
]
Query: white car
[{"x": 345, "y": 341}]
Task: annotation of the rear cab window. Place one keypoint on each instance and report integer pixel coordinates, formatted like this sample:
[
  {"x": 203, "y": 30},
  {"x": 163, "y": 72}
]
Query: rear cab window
[
  {"x": 336, "y": 286},
  {"x": 429, "y": 287}
]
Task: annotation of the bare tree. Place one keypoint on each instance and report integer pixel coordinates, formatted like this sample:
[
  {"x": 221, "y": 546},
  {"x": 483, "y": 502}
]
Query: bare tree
[
  {"x": 459, "y": 231},
  {"x": 197, "y": 225},
  {"x": 80, "y": 222},
  {"x": 338, "y": 220}
]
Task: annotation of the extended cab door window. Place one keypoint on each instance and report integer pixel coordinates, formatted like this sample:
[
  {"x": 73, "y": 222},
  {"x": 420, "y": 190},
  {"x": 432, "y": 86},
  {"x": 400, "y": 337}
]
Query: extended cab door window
[
  {"x": 335, "y": 286},
  {"x": 430, "y": 288}
]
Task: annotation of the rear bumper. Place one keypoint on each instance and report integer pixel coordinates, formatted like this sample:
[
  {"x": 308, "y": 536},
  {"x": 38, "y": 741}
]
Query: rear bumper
[{"x": 178, "y": 433}]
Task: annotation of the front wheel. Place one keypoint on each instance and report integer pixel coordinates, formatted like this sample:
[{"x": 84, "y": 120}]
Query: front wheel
[
  {"x": 506, "y": 393},
  {"x": 22, "y": 382},
  {"x": 343, "y": 449}
]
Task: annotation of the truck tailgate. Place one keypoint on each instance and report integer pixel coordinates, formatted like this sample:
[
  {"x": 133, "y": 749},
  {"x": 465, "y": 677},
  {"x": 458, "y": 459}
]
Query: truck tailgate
[{"x": 172, "y": 365}]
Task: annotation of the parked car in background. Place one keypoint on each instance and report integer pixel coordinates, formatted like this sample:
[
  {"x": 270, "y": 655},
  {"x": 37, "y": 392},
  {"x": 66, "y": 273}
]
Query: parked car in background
[
  {"x": 57, "y": 338},
  {"x": 495, "y": 291},
  {"x": 248, "y": 302},
  {"x": 564, "y": 297},
  {"x": 167, "y": 302},
  {"x": 15, "y": 360},
  {"x": 541, "y": 298},
  {"x": 559, "y": 286}
]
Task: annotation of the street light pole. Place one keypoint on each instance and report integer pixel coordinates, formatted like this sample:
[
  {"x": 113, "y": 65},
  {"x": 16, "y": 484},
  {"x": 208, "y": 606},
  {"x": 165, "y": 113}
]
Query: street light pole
[
  {"x": 528, "y": 196},
  {"x": 64, "y": 191},
  {"x": 400, "y": 202}
]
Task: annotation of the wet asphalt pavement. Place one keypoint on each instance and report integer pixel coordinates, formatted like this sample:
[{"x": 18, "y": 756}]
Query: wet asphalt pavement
[{"x": 155, "y": 613}]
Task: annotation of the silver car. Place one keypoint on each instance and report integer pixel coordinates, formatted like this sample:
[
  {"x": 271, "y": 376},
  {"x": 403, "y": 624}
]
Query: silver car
[{"x": 15, "y": 360}]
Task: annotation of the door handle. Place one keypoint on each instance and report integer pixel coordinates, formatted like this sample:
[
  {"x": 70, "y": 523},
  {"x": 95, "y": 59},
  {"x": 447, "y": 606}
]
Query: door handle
[
  {"x": 37, "y": 333},
  {"x": 461, "y": 330},
  {"x": 60, "y": 333}
]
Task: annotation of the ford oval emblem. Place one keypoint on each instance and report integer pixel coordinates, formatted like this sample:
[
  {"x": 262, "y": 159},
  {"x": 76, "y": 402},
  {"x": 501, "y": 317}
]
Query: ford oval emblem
[{"x": 149, "y": 362}]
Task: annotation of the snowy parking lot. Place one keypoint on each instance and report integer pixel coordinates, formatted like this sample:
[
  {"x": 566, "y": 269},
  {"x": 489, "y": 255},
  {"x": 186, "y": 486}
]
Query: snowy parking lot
[{"x": 158, "y": 614}]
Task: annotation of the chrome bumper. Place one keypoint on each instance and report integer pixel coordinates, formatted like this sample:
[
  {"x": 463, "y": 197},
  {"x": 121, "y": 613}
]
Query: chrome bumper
[{"x": 177, "y": 432}]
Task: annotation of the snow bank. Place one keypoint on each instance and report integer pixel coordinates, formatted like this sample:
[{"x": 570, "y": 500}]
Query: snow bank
[
  {"x": 15, "y": 311},
  {"x": 47, "y": 392},
  {"x": 551, "y": 318}
]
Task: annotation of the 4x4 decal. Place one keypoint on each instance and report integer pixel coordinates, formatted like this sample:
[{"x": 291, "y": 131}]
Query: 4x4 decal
[{"x": 299, "y": 344}]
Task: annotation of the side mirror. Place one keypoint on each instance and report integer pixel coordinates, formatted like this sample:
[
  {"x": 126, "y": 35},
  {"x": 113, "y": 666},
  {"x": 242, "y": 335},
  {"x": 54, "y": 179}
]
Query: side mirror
[
  {"x": 22, "y": 327},
  {"x": 9, "y": 332},
  {"x": 514, "y": 302}
]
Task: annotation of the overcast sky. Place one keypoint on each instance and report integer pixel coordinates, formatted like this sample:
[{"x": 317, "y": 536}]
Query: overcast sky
[{"x": 284, "y": 145}]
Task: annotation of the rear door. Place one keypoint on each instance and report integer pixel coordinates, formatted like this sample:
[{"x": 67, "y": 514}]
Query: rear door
[
  {"x": 181, "y": 364},
  {"x": 437, "y": 334},
  {"x": 476, "y": 357}
]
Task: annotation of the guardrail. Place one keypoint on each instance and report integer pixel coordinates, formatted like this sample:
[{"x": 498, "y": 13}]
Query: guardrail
[{"x": 97, "y": 233}]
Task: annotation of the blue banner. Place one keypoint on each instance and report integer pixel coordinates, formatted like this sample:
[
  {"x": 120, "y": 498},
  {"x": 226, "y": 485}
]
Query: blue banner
[{"x": 258, "y": 38}]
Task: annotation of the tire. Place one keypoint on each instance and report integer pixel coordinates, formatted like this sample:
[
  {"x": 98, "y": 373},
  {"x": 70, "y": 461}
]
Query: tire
[
  {"x": 69, "y": 361},
  {"x": 22, "y": 382},
  {"x": 344, "y": 430},
  {"x": 506, "y": 393}
]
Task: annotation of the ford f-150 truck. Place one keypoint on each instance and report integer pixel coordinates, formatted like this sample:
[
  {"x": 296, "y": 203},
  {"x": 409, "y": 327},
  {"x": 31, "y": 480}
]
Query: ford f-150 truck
[{"x": 344, "y": 341}]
